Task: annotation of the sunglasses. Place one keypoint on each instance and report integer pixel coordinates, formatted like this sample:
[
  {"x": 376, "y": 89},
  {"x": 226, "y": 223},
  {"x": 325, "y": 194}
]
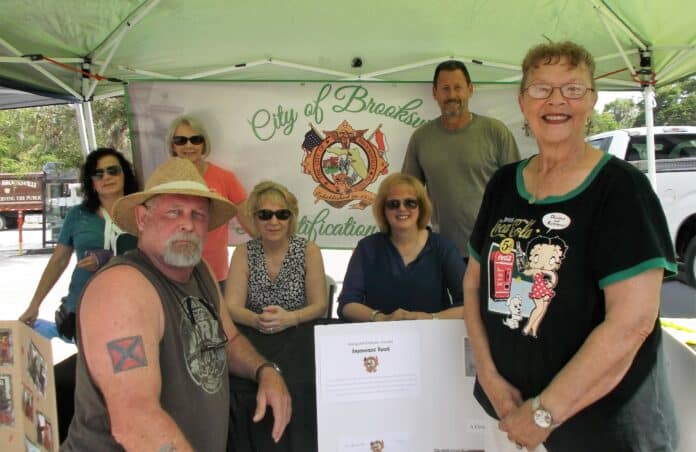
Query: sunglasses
[
  {"x": 181, "y": 140},
  {"x": 410, "y": 203},
  {"x": 113, "y": 170},
  {"x": 265, "y": 214}
]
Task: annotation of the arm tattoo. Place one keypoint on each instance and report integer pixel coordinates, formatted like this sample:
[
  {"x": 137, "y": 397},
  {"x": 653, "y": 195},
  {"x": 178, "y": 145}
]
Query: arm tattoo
[
  {"x": 168, "y": 448},
  {"x": 127, "y": 353}
]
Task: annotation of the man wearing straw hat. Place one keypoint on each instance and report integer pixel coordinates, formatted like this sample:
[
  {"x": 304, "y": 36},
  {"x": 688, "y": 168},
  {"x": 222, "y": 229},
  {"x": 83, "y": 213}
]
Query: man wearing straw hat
[{"x": 155, "y": 343}]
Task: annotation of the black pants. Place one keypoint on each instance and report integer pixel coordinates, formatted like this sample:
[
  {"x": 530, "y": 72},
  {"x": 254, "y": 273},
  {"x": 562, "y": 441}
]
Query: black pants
[{"x": 64, "y": 373}]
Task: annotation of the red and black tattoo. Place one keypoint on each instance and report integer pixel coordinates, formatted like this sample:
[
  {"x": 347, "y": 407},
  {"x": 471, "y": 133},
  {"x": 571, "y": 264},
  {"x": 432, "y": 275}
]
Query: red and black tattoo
[{"x": 127, "y": 353}]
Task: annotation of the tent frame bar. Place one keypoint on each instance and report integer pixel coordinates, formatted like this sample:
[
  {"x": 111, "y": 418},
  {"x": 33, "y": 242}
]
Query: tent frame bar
[
  {"x": 605, "y": 12},
  {"x": 114, "y": 40},
  {"x": 225, "y": 70},
  {"x": 686, "y": 52},
  {"x": 41, "y": 70},
  {"x": 432, "y": 61},
  {"x": 26, "y": 60}
]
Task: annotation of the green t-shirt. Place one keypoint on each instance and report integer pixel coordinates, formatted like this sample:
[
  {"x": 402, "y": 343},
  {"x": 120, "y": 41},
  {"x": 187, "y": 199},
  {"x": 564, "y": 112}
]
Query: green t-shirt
[{"x": 455, "y": 166}]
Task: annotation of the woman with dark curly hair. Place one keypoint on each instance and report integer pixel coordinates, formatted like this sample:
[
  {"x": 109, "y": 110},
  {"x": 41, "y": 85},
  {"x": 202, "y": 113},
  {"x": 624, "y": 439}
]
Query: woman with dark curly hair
[{"x": 88, "y": 230}]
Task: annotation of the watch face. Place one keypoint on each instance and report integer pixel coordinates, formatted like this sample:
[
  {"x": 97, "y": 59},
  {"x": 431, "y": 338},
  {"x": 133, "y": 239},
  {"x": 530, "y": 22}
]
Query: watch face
[{"x": 542, "y": 418}]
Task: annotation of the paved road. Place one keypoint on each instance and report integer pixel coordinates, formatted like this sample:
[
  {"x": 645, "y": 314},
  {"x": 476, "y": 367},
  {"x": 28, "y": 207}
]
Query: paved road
[{"x": 21, "y": 273}]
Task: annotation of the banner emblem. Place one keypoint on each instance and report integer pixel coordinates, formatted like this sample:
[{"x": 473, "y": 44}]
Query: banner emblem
[{"x": 344, "y": 163}]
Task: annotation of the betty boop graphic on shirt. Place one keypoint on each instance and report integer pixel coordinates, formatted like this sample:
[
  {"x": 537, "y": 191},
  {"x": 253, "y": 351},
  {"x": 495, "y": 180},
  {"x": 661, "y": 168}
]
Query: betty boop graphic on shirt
[{"x": 544, "y": 257}]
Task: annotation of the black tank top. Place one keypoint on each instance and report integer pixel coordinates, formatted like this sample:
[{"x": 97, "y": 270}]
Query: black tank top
[{"x": 193, "y": 365}]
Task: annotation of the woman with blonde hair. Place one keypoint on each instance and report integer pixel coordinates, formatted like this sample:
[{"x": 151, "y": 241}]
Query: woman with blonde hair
[
  {"x": 188, "y": 139},
  {"x": 276, "y": 281},
  {"x": 405, "y": 271}
]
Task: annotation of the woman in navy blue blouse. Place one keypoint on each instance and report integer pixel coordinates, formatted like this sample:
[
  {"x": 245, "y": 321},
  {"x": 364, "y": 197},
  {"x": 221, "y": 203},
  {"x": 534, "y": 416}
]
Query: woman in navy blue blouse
[{"x": 405, "y": 271}]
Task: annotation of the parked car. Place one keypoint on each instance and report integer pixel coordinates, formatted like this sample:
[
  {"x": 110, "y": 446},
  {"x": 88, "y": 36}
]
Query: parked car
[{"x": 675, "y": 162}]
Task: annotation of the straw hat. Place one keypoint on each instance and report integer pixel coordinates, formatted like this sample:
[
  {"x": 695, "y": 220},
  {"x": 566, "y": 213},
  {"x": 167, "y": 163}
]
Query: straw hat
[{"x": 176, "y": 176}]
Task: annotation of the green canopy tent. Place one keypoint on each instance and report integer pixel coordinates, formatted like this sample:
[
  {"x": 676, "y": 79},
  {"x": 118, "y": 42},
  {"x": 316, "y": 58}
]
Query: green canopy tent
[{"x": 90, "y": 49}]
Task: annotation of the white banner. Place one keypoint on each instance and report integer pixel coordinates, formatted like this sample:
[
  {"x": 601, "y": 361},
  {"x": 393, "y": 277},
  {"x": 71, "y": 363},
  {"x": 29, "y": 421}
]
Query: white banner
[{"x": 330, "y": 143}]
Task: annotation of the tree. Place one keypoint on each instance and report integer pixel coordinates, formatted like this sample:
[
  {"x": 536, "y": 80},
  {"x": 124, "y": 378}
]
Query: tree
[
  {"x": 601, "y": 122},
  {"x": 31, "y": 137},
  {"x": 111, "y": 125},
  {"x": 624, "y": 112},
  {"x": 676, "y": 105}
]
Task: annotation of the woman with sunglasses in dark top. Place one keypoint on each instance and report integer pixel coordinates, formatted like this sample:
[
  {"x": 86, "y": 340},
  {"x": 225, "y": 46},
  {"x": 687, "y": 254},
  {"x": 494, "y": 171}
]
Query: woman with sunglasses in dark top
[
  {"x": 276, "y": 281},
  {"x": 406, "y": 271},
  {"x": 188, "y": 139}
]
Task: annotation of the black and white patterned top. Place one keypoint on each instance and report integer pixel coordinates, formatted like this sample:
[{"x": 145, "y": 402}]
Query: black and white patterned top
[{"x": 288, "y": 289}]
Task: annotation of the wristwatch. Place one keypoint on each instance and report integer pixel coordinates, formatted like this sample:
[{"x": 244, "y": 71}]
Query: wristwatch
[
  {"x": 270, "y": 364},
  {"x": 542, "y": 417}
]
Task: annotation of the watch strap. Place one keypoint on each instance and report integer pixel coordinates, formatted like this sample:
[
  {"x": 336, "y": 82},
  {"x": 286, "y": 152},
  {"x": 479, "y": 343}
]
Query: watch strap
[
  {"x": 537, "y": 406},
  {"x": 270, "y": 364}
]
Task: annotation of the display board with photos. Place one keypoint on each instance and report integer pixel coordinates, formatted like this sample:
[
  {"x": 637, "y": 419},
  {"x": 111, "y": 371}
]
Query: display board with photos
[{"x": 28, "y": 420}]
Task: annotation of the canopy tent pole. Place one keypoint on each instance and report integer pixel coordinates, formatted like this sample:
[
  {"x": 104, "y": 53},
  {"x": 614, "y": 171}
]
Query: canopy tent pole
[
  {"x": 645, "y": 76},
  {"x": 80, "y": 116},
  {"x": 647, "y": 81},
  {"x": 87, "y": 110},
  {"x": 40, "y": 69},
  {"x": 649, "y": 101},
  {"x": 89, "y": 124}
]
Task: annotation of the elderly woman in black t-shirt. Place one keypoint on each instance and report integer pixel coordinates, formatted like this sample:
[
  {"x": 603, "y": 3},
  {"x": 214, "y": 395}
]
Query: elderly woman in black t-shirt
[{"x": 562, "y": 293}]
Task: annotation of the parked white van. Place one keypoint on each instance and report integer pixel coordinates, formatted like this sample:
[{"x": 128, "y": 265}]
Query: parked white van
[{"x": 675, "y": 162}]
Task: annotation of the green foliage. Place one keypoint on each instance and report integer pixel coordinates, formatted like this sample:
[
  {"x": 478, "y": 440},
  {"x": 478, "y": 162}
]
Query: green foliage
[
  {"x": 31, "y": 137},
  {"x": 624, "y": 112},
  {"x": 676, "y": 105},
  {"x": 602, "y": 122}
]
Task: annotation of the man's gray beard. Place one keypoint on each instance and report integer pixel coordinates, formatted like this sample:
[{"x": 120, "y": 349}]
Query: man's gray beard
[{"x": 189, "y": 256}]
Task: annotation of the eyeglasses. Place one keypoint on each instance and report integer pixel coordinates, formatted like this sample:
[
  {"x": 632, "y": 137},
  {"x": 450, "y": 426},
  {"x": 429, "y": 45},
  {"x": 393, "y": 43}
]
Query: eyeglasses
[
  {"x": 265, "y": 214},
  {"x": 181, "y": 140},
  {"x": 569, "y": 90},
  {"x": 113, "y": 170},
  {"x": 409, "y": 203},
  {"x": 206, "y": 344}
]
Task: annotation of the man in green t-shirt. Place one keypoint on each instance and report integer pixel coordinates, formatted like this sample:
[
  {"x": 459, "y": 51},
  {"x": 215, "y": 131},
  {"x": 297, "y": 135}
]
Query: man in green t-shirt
[{"x": 456, "y": 154}]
